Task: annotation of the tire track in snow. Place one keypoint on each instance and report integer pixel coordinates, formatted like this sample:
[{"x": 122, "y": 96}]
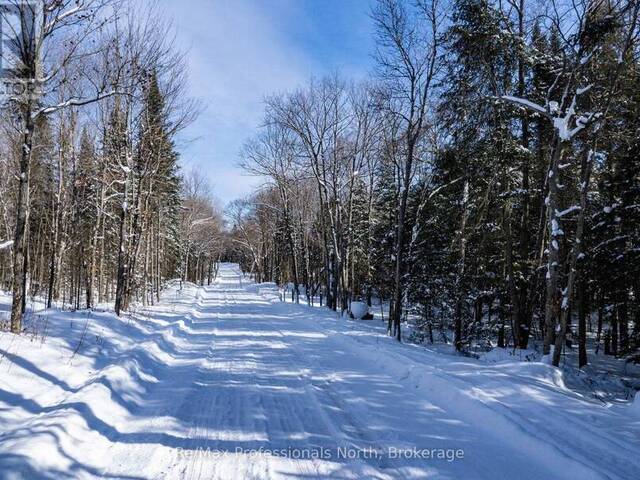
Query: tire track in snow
[
  {"x": 146, "y": 454},
  {"x": 507, "y": 417},
  {"x": 344, "y": 423},
  {"x": 258, "y": 385},
  {"x": 293, "y": 410}
]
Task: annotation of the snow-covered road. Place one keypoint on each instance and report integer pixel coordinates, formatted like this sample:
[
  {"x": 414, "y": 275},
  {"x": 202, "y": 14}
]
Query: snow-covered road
[{"x": 223, "y": 382}]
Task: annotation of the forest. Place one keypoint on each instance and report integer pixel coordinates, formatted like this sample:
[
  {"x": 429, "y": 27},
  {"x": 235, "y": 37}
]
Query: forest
[
  {"x": 424, "y": 263},
  {"x": 483, "y": 181},
  {"x": 95, "y": 207}
]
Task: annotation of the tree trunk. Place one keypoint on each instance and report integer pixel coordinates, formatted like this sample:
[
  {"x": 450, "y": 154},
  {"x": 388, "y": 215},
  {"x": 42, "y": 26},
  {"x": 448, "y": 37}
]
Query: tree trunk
[
  {"x": 122, "y": 251},
  {"x": 582, "y": 325},
  {"x": 457, "y": 341},
  {"x": 552, "y": 305},
  {"x": 21, "y": 238},
  {"x": 396, "y": 313},
  {"x": 623, "y": 322},
  {"x": 574, "y": 255},
  {"x": 614, "y": 333}
]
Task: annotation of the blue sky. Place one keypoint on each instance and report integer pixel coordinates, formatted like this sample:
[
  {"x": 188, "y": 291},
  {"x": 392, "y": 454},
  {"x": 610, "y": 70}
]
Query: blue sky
[{"x": 238, "y": 51}]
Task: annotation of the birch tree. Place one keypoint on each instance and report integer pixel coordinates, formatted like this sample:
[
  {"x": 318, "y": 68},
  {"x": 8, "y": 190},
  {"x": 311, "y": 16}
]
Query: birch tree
[{"x": 44, "y": 70}]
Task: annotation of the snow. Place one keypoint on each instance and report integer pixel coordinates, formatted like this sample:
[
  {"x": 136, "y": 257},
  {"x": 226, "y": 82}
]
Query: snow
[
  {"x": 569, "y": 210},
  {"x": 508, "y": 355},
  {"x": 6, "y": 244},
  {"x": 227, "y": 381},
  {"x": 525, "y": 103},
  {"x": 634, "y": 408},
  {"x": 561, "y": 124},
  {"x": 359, "y": 309},
  {"x": 583, "y": 90}
]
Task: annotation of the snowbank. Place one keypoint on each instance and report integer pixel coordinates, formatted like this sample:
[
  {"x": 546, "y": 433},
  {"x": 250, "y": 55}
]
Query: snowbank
[
  {"x": 89, "y": 395},
  {"x": 634, "y": 408},
  {"x": 509, "y": 355},
  {"x": 268, "y": 290}
]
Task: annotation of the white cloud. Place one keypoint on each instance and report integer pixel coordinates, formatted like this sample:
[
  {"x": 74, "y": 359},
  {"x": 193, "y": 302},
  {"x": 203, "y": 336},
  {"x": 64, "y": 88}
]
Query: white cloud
[
  {"x": 236, "y": 55},
  {"x": 239, "y": 51}
]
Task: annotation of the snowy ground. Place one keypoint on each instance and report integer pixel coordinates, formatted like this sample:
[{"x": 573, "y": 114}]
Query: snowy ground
[{"x": 202, "y": 384}]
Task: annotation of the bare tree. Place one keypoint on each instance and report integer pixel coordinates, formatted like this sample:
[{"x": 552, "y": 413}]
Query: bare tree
[
  {"x": 45, "y": 69},
  {"x": 408, "y": 58}
]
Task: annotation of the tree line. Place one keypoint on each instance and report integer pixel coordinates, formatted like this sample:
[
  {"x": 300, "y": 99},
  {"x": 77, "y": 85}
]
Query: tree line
[
  {"x": 484, "y": 179},
  {"x": 94, "y": 206}
]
